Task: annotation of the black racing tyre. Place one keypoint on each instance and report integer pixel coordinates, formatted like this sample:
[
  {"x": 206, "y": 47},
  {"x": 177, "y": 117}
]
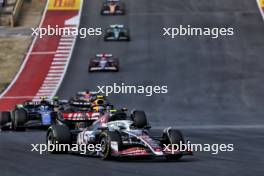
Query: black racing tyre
[
  {"x": 116, "y": 64},
  {"x": 5, "y": 117},
  {"x": 106, "y": 38},
  {"x": 20, "y": 118},
  {"x": 105, "y": 140},
  {"x": 56, "y": 135},
  {"x": 54, "y": 117},
  {"x": 90, "y": 66},
  {"x": 173, "y": 137},
  {"x": 140, "y": 119}
]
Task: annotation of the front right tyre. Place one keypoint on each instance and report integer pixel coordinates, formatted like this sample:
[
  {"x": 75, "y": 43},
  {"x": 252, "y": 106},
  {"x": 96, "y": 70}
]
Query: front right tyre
[{"x": 173, "y": 136}]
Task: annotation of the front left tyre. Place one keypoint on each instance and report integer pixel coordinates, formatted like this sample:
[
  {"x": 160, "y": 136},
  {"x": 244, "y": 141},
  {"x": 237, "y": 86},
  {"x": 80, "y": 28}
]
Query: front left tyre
[{"x": 107, "y": 139}]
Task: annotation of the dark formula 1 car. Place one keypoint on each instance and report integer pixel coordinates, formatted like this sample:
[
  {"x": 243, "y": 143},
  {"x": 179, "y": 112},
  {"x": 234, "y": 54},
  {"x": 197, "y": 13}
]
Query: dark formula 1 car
[
  {"x": 104, "y": 62},
  {"x": 117, "y": 33},
  {"x": 86, "y": 95},
  {"x": 28, "y": 115},
  {"x": 119, "y": 135},
  {"x": 113, "y": 7},
  {"x": 77, "y": 113}
]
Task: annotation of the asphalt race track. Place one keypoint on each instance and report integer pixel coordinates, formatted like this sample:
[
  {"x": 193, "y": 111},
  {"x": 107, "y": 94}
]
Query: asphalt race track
[{"x": 215, "y": 89}]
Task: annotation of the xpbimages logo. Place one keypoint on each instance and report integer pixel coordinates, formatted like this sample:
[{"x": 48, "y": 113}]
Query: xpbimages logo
[
  {"x": 70, "y": 31},
  {"x": 214, "y": 149},
  {"x": 130, "y": 89},
  {"x": 49, "y": 147},
  {"x": 188, "y": 30}
]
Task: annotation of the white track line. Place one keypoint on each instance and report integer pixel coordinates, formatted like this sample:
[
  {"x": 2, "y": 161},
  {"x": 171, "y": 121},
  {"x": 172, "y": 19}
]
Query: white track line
[
  {"x": 65, "y": 43},
  {"x": 67, "y": 39},
  {"x": 64, "y": 47},
  {"x": 61, "y": 55},
  {"x": 58, "y": 63},
  {"x": 49, "y": 85},
  {"x": 60, "y": 59},
  {"x": 50, "y": 82},
  {"x": 56, "y": 71},
  {"x": 57, "y": 67},
  {"x": 63, "y": 51},
  {"x": 54, "y": 74}
]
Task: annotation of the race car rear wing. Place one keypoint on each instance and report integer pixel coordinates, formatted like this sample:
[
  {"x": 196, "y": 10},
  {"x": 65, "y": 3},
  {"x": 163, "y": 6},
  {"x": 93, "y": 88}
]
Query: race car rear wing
[
  {"x": 112, "y": 0},
  {"x": 117, "y": 25},
  {"x": 106, "y": 55},
  {"x": 80, "y": 116}
]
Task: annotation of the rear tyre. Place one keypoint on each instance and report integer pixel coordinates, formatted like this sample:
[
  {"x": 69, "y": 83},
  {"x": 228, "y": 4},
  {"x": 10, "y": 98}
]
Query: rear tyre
[
  {"x": 19, "y": 120},
  {"x": 90, "y": 66},
  {"x": 5, "y": 117},
  {"x": 56, "y": 135},
  {"x": 116, "y": 64},
  {"x": 89, "y": 69},
  {"x": 54, "y": 117},
  {"x": 140, "y": 119},
  {"x": 105, "y": 140},
  {"x": 173, "y": 137}
]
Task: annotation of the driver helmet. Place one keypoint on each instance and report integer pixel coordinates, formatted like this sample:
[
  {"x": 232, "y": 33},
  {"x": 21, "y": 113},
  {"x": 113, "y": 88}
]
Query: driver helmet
[
  {"x": 87, "y": 94},
  {"x": 43, "y": 101}
]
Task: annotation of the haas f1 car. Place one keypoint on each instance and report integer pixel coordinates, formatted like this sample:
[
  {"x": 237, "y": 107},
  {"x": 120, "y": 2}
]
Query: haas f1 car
[
  {"x": 119, "y": 135},
  {"x": 104, "y": 62},
  {"x": 113, "y": 7},
  {"x": 117, "y": 32},
  {"x": 29, "y": 114}
]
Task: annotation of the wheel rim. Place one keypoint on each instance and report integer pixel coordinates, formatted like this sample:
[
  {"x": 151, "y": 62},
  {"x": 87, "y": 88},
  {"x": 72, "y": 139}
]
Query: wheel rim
[
  {"x": 50, "y": 139},
  {"x": 103, "y": 145}
]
